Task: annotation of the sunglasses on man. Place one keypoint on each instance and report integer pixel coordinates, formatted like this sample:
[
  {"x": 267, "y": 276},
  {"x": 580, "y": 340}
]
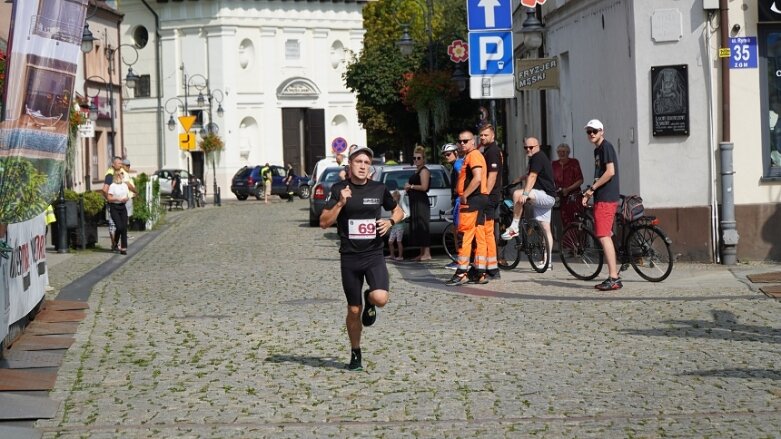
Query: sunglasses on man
[{"x": 591, "y": 131}]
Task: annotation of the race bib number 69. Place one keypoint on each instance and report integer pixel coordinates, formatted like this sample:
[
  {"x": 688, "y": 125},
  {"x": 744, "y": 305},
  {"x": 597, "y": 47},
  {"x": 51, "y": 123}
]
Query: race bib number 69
[{"x": 362, "y": 229}]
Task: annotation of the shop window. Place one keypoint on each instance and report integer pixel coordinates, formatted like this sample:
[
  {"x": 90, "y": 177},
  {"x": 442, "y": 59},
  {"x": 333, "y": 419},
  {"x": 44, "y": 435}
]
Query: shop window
[{"x": 770, "y": 74}]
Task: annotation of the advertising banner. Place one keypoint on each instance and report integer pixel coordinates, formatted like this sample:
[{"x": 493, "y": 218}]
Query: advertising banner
[
  {"x": 43, "y": 49},
  {"x": 25, "y": 270}
]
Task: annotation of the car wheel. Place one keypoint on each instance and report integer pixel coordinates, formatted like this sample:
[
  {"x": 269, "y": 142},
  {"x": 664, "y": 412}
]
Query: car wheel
[
  {"x": 304, "y": 192},
  {"x": 241, "y": 197},
  {"x": 259, "y": 192}
]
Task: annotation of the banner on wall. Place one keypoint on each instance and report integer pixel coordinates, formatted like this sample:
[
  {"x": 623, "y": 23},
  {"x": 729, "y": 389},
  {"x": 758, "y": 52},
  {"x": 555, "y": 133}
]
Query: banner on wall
[
  {"x": 43, "y": 50},
  {"x": 25, "y": 270}
]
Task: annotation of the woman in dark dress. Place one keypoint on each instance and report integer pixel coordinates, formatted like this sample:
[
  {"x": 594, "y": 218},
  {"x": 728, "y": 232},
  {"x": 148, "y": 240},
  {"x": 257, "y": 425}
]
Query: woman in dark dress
[{"x": 417, "y": 191}]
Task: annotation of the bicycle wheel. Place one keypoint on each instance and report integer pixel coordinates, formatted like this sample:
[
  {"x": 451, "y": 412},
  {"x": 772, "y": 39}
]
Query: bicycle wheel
[
  {"x": 580, "y": 252},
  {"x": 649, "y": 253},
  {"x": 508, "y": 253},
  {"x": 449, "y": 241},
  {"x": 537, "y": 247}
]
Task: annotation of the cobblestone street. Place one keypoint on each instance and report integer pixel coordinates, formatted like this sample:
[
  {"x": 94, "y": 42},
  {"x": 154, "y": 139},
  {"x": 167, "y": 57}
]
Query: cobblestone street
[{"x": 231, "y": 324}]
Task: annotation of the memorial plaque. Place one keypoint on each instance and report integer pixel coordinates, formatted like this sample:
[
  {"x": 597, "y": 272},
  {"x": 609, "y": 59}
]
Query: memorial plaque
[{"x": 670, "y": 100}]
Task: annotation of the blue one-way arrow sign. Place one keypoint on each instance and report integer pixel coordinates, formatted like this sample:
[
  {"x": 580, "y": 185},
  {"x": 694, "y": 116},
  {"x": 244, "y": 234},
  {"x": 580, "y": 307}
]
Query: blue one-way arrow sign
[{"x": 489, "y": 15}]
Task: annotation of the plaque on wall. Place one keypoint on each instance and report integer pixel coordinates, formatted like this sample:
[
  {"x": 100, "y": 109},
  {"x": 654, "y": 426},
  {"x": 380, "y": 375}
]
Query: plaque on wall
[{"x": 670, "y": 100}]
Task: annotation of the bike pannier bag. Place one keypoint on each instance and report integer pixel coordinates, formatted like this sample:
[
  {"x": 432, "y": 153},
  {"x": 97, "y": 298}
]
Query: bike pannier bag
[{"x": 633, "y": 208}]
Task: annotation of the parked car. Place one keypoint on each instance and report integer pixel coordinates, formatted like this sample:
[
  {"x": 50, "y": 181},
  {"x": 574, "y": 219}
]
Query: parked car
[
  {"x": 247, "y": 181},
  {"x": 320, "y": 191},
  {"x": 394, "y": 177},
  {"x": 165, "y": 177}
]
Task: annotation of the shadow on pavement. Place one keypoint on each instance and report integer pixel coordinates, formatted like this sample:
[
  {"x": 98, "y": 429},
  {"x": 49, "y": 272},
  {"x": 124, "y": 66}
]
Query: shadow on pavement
[
  {"x": 307, "y": 361},
  {"x": 724, "y": 326}
]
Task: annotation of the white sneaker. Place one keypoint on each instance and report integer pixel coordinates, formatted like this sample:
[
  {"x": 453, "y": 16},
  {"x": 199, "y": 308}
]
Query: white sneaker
[{"x": 510, "y": 233}]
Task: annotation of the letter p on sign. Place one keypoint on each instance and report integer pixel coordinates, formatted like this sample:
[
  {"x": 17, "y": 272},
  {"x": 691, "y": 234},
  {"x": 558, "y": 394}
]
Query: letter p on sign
[{"x": 487, "y": 43}]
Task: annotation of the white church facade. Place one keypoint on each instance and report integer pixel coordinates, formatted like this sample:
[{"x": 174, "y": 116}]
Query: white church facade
[{"x": 273, "y": 71}]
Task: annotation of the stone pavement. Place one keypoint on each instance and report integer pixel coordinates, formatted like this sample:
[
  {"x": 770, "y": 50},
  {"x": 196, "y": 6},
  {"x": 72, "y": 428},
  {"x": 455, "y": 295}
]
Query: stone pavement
[{"x": 230, "y": 323}]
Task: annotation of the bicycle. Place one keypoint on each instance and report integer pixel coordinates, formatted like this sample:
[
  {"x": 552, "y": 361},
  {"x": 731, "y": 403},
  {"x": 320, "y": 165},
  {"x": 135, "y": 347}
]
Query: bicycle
[
  {"x": 532, "y": 240},
  {"x": 449, "y": 240},
  {"x": 639, "y": 243}
]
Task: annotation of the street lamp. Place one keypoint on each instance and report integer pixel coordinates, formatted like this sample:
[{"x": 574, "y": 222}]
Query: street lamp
[
  {"x": 531, "y": 30},
  {"x": 200, "y": 83}
]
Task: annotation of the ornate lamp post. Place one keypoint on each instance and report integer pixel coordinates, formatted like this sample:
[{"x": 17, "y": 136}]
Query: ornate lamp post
[{"x": 200, "y": 83}]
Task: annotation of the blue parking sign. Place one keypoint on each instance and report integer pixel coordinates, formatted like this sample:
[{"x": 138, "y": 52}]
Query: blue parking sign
[
  {"x": 489, "y": 15},
  {"x": 491, "y": 53},
  {"x": 743, "y": 53}
]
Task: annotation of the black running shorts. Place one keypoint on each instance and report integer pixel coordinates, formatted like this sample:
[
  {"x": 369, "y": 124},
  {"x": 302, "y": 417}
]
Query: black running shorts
[{"x": 356, "y": 267}]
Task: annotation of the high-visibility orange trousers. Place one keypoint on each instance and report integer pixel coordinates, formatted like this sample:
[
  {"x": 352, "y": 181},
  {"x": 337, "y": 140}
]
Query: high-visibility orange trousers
[
  {"x": 490, "y": 245},
  {"x": 471, "y": 227}
]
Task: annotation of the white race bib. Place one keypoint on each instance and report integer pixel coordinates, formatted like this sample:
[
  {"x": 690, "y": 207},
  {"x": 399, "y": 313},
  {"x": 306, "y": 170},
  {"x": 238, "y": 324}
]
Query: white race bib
[{"x": 362, "y": 229}]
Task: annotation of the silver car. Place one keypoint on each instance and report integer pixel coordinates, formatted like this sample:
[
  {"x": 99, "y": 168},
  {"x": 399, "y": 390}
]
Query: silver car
[{"x": 439, "y": 193}]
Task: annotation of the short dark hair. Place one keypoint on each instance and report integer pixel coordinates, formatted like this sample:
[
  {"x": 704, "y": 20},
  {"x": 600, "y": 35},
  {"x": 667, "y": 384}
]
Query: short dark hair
[
  {"x": 487, "y": 126},
  {"x": 389, "y": 155}
]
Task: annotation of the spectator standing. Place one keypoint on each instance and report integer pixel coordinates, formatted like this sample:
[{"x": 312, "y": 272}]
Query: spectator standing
[
  {"x": 420, "y": 210},
  {"x": 390, "y": 158},
  {"x": 539, "y": 190},
  {"x": 118, "y": 194},
  {"x": 568, "y": 178},
  {"x": 289, "y": 177},
  {"x": 397, "y": 233},
  {"x": 265, "y": 175},
  {"x": 451, "y": 156},
  {"x": 176, "y": 185},
  {"x": 354, "y": 205},
  {"x": 494, "y": 161},
  {"x": 108, "y": 178},
  {"x": 473, "y": 196},
  {"x": 606, "y": 194}
]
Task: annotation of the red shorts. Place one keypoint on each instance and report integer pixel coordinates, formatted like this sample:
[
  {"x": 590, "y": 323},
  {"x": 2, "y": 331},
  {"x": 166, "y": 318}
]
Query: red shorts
[{"x": 604, "y": 215}]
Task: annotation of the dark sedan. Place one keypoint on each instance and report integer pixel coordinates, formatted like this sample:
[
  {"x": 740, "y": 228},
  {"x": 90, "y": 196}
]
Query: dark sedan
[
  {"x": 247, "y": 181},
  {"x": 322, "y": 187}
]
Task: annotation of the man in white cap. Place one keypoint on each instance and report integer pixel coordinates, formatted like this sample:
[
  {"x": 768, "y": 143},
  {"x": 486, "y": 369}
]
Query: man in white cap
[
  {"x": 606, "y": 194},
  {"x": 354, "y": 205}
]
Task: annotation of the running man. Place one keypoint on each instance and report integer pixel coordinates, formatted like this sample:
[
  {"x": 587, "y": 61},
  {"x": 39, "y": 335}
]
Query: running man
[{"x": 354, "y": 205}]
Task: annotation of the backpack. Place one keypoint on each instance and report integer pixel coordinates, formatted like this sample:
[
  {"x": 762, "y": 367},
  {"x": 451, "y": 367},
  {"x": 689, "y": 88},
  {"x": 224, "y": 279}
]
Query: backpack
[{"x": 632, "y": 208}]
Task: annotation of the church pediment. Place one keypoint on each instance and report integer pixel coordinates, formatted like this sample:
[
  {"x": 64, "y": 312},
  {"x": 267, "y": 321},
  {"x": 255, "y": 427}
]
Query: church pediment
[{"x": 298, "y": 88}]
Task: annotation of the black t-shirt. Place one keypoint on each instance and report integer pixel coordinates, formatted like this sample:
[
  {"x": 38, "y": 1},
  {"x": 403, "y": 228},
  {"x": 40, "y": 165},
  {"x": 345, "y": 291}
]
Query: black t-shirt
[
  {"x": 493, "y": 163},
  {"x": 604, "y": 154},
  {"x": 356, "y": 222},
  {"x": 540, "y": 164}
]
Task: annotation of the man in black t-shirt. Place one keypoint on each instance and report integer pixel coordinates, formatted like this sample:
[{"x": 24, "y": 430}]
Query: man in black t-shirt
[
  {"x": 355, "y": 206},
  {"x": 606, "y": 193},
  {"x": 493, "y": 162},
  {"x": 289, "y": 177},
  {"x": 539, "y": 190}
]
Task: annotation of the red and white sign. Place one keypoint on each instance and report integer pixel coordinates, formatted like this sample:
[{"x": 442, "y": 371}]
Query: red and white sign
[
  {"x": 532, "y": 3},
  {"x": 458, "y": 51}
]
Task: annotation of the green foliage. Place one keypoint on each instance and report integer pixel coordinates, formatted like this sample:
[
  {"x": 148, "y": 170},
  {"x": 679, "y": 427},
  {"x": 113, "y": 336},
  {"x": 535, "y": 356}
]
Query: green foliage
[
  {"x": 94, "y": 201},
  {"x": 211, "y": 143},
  {"x": 377, "y": 74},
  {"x": 21, "y": 189},
  {"x": 142, "y": 209}
]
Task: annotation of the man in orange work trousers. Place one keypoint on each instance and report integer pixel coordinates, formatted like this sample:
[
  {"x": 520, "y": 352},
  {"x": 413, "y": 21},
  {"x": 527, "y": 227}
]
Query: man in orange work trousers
[{"x": 471, "y": 189}]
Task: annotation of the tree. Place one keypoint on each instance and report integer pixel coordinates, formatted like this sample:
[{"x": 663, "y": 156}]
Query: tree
[{"x": 377, "y": 75}]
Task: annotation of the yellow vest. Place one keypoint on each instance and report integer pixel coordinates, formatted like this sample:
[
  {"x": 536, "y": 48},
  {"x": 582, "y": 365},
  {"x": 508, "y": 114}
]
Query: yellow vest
[{"x": 50, "y": 217}]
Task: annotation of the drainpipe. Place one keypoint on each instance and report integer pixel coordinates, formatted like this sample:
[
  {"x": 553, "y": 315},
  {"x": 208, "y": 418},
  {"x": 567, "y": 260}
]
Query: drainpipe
[
  {"x": 158, "y": 74},
  {"x": 729, "y": 231}
]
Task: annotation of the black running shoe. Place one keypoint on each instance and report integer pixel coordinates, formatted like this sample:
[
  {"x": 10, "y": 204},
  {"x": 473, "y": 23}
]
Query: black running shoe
[
  {"x": 355, "y": 363},
  {"x": 369, "y": 311},
  {"x": 610, "y": 284},
  {"x": 480, "y": 278},
  {"x": 457, "y": 279}
]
